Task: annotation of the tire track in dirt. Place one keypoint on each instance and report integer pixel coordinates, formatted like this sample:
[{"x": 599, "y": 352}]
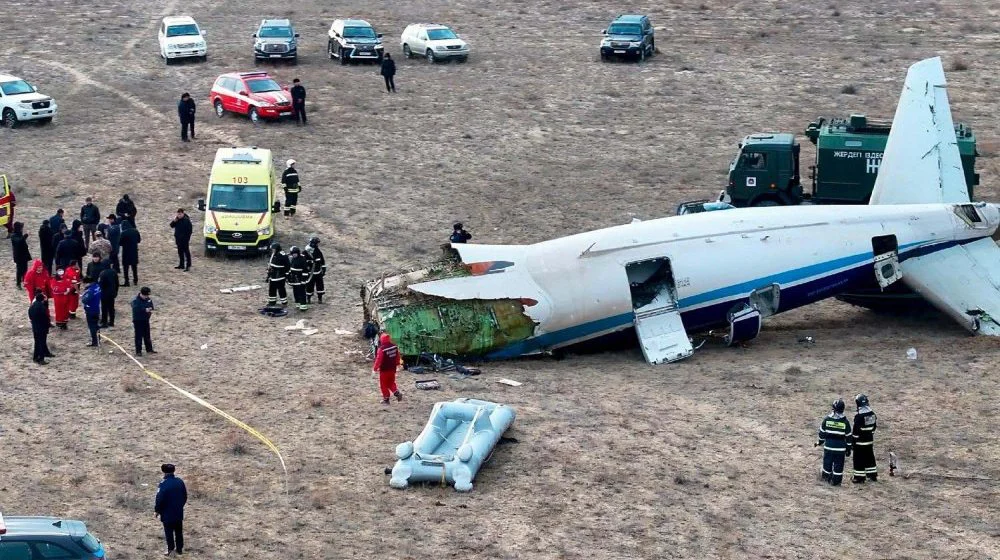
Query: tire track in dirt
[
  {"x": 142, "y": 106},
  {"x": 168, "y": 8}
]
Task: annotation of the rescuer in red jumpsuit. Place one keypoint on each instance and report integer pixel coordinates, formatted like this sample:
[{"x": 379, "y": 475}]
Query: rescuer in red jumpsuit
[
  {"x": 37, "y": 278},
  {"x": 73, "y": 275},
  {"x": 386, "y": 362},
  {"x": 61, "y": 287}
]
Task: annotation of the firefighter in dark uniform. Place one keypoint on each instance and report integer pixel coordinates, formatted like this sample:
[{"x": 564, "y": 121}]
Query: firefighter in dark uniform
[
  {"x": 298, "y": 277},
  {"x": 863, "y": 440},
  {"x": 277, "y": 271},
  {"x": 309, "y": 287},
  {"x": 290, "y": 178},
  {"x": 835, "y": 437},
  {"x": 319, "y": 270}
]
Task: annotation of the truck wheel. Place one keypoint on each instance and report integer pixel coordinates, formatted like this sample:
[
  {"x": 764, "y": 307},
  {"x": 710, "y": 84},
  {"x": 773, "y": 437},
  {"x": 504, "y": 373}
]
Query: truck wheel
[
  {"x": 642, "y": 54},
  {"x": 9, "y": 119},
  {"x": 219, "y": 109},
  {"x": 766, "y": 202},
  {"x": 407, "y": 53}
]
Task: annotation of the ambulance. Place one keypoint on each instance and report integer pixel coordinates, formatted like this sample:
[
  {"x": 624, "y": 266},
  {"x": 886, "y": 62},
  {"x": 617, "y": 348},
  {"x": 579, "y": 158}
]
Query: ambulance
[
  {"x": 240, "y": 204},
  {"x": 6, "y": 204}
]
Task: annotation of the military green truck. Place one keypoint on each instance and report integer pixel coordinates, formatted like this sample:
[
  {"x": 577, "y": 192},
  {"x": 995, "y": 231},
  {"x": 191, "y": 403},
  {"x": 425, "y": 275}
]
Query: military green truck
[{"x": 848, "y": 155}]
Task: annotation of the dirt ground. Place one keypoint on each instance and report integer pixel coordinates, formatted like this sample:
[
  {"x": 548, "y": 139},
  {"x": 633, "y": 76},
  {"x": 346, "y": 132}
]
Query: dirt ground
[{"x": 532, "y": 138}]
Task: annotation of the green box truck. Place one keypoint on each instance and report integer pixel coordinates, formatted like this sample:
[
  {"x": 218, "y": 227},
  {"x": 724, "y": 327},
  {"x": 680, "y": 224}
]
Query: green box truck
[{"x": 848, "y": 155}]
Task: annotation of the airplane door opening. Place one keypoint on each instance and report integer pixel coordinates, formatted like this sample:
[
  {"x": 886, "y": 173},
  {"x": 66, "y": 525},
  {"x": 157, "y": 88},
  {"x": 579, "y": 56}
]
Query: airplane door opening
[
  {"x": 657, "y": 320},
  {"x": 886, "y": 251}
]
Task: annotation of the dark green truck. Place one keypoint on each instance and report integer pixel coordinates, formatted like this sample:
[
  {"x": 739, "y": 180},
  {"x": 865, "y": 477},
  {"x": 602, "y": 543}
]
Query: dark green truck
[{"x": 848, "y": 155}]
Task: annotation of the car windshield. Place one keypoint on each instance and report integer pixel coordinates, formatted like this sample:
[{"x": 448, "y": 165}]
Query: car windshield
[
  {"x": 625, "y": 29},
  {"x": 238, "y": 198},
  {"x": 439, "y": 34},
  {"x": 182, "y": 30},
  {"x": 275, "y": 32},
  {"x": 90, "y": 544},
  {"x": 359, "y": 33},
  {"x": 261, "y": 86},
  {"x": 16, "y": 87}
]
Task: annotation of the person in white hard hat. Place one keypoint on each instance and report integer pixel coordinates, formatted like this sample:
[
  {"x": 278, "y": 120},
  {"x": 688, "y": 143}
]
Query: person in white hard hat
[{"x": 290, "y": 178}]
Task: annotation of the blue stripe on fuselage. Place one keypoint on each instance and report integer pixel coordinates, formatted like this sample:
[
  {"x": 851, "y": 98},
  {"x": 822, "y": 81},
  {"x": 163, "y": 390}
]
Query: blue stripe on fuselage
[{"x": 714, "y": 314}]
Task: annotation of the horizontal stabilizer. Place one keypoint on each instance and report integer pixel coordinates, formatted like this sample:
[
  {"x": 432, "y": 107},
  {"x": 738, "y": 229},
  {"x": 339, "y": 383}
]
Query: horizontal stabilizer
[
  {"x": 921, "y": 163},
  {"x": 962, "y": 281}
]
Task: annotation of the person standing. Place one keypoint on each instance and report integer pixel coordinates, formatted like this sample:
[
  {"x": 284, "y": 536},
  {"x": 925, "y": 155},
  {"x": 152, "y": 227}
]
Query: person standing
[
  {"x": 171, "y": 497},
  {"x": 58, "y": 220},
  {"x": 38, "y": 314},
  {"x": 101, "y": 246},
  {"x": 863, "y": 441},
  {"x": 182, "y": 237},
  {"x": 114, "y": 237},
  {"x": 90, "y": 217},
  {"x": 45, "y": 234},
  {"x": 386, "y": 364},
  {"x": 20, "y": 253},
  {"x": 185, "y": 110},
  {"x": 108, "y": 281},
  {"x": 92, "y": 309},
  {"x": 290, "y": 178},
  {"x": 318, "y": 271},
  {"x": 60, "y": 289},
  {"x": 125, "y": 209},
  {"x": 67, "y": 248},
  {"x": 94, "y": 268},
  {"x": 458, "y": 234},
  {"x": 129, "y": 244},
  {"x": 299, "y": 271},
  {"x": 299, "y": 101},
  {"x": 76, "y": 232},
  {"x": 388, "y": 72},
  {"x": 37, "y": 279},
  {"x": 142, "y": 310},
  {"x": 834, "y": 436},
  {"x": 277, "y": 272},
  {"x": 74, "y": 276}
]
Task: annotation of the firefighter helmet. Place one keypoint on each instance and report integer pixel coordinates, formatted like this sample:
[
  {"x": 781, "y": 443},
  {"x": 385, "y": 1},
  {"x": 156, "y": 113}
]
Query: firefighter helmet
[
  {"x": 838, "y": 406},
  {"x": 861, "y": 400}
]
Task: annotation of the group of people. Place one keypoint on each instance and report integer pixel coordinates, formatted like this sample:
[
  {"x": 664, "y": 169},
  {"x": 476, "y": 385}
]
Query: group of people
[
  {"x": 57, "y": 277},
  {"x": 302, "y": 270},
  {"x": 839, "y": 439}
]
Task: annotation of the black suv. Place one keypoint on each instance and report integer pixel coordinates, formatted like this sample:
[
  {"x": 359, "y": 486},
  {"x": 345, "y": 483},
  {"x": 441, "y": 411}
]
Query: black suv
[
  {"x": 628, "y": 36},
  {"x": 275, "y": 39},
  {"x": 31, "y": 538}
]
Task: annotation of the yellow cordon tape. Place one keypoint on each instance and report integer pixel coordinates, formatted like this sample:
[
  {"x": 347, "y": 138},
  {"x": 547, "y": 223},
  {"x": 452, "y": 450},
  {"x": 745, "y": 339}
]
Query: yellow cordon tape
[{"x": 233, "y": 420}]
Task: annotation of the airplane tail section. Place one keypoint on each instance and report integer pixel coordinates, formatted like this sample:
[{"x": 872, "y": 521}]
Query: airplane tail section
[
  {"x": 962, "y": 281},
  {"x": 921, "y": 163}
]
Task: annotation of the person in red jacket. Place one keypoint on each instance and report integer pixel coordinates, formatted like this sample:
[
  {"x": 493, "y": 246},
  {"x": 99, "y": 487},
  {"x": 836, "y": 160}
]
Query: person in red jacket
[
  {"x": 73, "y": 275},
  {"x": 37, "y": 278},
  {"x": 386, "y": 362},
  {"x": 61, "y": 287}
]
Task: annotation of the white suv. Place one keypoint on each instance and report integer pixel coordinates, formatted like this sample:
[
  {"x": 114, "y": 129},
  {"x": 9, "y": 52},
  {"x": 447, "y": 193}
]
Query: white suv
[
  {"x": 180, "y": 37},
  {"x": 433, "y": 41},
  {"x": 20, "y": 101}
]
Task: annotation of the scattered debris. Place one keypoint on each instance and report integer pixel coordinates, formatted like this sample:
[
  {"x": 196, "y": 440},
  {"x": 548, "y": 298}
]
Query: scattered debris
[
  {"x": 911, "y": 354},
  {"x": 807, "y": 340},
  {"x": 236, "y": 289},
  {"x": 427, "y": 384},
  {"x": 298, "y": 326},
  {"x": 204, "y": 346},
  {"x": 427, "y": 362},
  {"x": 510, "y": 382},
  {"x": 310, "y": 332},
  {"x": 342, "y": 331},
  {"x": 893, "y": 464},
  {"x": 273, "y": 311}
]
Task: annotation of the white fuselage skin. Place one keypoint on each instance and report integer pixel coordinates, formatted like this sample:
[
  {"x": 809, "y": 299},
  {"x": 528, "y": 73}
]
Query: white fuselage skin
[{"x": 717, "y": 259}]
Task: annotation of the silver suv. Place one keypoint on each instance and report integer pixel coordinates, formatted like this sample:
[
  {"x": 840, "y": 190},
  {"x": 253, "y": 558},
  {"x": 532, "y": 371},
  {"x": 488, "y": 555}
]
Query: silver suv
[
  {"x": 275, "y": 39},
  {"x": 30, "y": 538}
]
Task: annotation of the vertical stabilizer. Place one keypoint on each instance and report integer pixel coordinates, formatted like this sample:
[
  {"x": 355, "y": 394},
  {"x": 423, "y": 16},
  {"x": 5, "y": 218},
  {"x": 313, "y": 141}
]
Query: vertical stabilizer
[{"x": 921, "y": 163}]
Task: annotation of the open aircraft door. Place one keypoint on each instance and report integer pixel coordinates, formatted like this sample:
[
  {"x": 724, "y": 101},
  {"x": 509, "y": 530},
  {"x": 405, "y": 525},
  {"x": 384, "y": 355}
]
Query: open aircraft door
[
  {"x": 657, "y": 320},
  {"x": 6, "y": 203},
  {"x": 886, "y": 251}
]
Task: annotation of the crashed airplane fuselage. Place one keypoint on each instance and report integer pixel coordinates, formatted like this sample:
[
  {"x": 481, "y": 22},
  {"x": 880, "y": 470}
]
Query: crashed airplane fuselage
[{"x": 689, "y": 273}]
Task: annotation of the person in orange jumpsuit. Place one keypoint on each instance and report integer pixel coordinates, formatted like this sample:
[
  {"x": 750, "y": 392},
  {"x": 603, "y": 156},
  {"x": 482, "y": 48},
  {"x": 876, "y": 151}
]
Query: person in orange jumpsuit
[
  {"x": 73, "y": 274},
  {"x": 37, "y": 278},
  {"x": 60, "y": 287},
  {"x": 386, "y": 362}
]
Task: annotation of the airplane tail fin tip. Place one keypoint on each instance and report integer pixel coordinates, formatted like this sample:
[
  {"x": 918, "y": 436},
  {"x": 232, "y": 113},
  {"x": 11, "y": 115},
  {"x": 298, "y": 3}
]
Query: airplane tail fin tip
[{"x": 921, "y": 163}]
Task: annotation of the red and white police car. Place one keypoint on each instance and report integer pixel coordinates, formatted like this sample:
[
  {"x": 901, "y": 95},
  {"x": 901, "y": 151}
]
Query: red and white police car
[{"x": 254, "y": 94}]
